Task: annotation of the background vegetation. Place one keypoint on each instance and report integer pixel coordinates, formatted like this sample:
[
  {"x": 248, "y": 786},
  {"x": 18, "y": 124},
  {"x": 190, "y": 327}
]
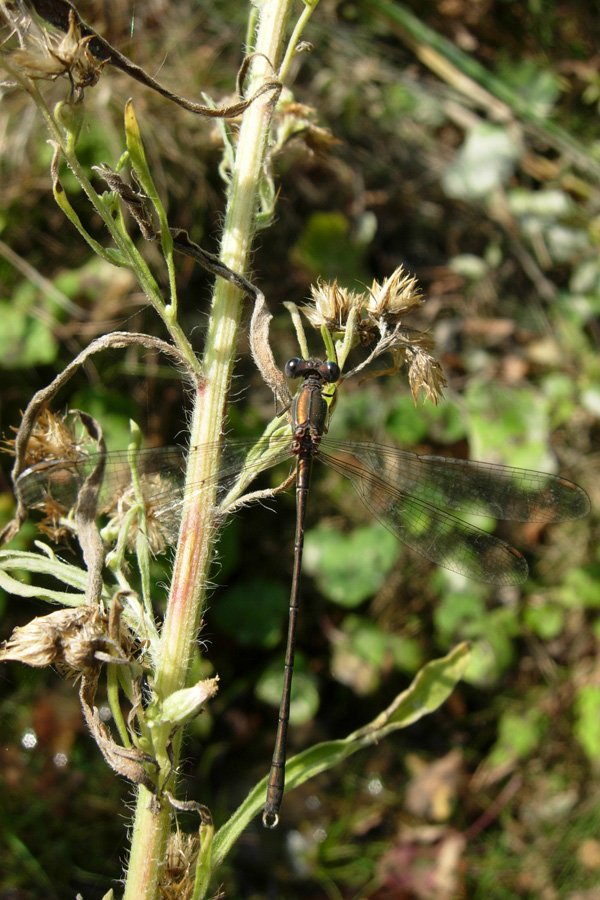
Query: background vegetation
[{"x": 483, "y": 182}]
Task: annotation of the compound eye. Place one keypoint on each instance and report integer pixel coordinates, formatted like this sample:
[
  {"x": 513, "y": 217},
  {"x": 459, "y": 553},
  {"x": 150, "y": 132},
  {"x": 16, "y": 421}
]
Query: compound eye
[
  {"x": 333, "y": 372},
  {"x": 291, "y": 367}
]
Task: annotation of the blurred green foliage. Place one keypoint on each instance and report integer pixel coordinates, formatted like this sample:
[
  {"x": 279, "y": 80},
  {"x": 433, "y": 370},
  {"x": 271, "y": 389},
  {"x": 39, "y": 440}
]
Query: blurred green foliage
[
  {"x": 349, "y": 568},
  {"x": 305, "y": 693}
]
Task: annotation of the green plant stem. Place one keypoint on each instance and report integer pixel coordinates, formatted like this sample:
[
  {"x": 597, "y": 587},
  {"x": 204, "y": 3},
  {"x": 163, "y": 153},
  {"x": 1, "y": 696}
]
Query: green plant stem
[
  {"x": 130, "y": 255},
  {"x": 192, "y": 563},
  {"x": 309, "y": 7}
]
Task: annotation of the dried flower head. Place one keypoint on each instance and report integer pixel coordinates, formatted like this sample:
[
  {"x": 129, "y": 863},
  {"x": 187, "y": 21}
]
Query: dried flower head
[
  {"x": 332, "y": 306},
  {"x": 68, "y": 639},
  {"x": 297, "y": 121},
  {"x": 177, "y": 881},
  {"x": 398, "y": 296},
  {"x": 52, "y": 437},
  {"x": 47, "y": 56},
  {"x": 424, "y": 371},
  {"x": 49, "y": 481},
  {"x": 382, "y": 310}
]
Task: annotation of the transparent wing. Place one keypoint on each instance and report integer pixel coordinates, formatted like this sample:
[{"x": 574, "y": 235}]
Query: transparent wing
[
  {"x": 438, "y": 536},
  {"x": 519, "y": 495},
  {"x": 400, "y": 488},
  {"x": 53, "y": 486}
]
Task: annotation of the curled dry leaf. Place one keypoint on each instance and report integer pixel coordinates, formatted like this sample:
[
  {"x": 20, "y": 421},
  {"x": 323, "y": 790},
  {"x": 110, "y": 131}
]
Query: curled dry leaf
[
  {"x": 130, "y": 762},
  {"x": 61, "y": 14},
  {"x": 39, "y": 402},
  {"x": 136, "y": 202}
]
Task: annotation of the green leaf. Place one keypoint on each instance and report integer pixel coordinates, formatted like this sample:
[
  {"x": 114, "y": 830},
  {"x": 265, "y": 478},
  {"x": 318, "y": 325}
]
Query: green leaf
[
  {"x": 25, "y": 339},
  {"x": 42, "y": 564},
  {"x": 546, "y": 621},
  {"x": 367, "y": 639},
  {"x": 458, "y": 610},
  {"x": 135, "y": 147},
  {"x": 253, "y": 613},
  {"x": 463, "y": 615},
  {"x": 539, "y": 87},
  {"x": 587, "y": 720},
  {"x": 510, "y": 427},
  {"x": 327, "y": 248},
  {"x": 110, "y": 254},
  {"x": 489, "y": 658},
  {"x": 548, "y": 204},
  {"x": 585, "y": 279},
  {"x": 485, "y": 161},
  {"x": 358, "y": 653},
  {"x": 430, "y": 688},
  {"x": 408, "y": 424},
  {"x": 304, "y": 696},
  {"x": 362, "y": 648},
  {"x": 519, "y": 734},
  {"x": 581, "y": 588},
  {"x": 349, "y": 568}
]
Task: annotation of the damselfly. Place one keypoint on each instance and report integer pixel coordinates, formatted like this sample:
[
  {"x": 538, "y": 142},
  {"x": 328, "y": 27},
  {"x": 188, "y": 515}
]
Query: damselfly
[{"x": 405, "y": 491}]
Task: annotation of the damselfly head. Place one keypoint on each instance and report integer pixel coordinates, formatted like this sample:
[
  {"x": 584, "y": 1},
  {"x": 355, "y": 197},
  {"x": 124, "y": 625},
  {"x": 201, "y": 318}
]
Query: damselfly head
[{"x": 329, "y": 372}]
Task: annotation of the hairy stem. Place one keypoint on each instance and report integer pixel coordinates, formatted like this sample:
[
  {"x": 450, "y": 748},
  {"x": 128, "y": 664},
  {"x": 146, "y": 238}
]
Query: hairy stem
[{"x": 188, "y": 588}]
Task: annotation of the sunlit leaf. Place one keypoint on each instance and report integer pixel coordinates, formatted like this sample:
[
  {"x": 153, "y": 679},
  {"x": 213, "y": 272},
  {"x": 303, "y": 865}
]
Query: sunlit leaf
[
  {"x": 25, "y": 339},
  {"x": 519, "y": 734},
  {"x": 546, "y": 621},
  {"x": 348, "y": 568},
  {"x": 509, "y": 426},
  {"x": 485, "y": 161},
  {"x": 305, "y": 694}
]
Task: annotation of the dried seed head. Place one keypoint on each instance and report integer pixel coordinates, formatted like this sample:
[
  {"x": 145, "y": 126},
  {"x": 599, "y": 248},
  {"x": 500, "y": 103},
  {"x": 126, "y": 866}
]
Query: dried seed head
[
  {"x": 298, "y": 122},
  {"x": 331, "y": 306},
  {"x": 425, "y": 372},
  {"x": 383, "y": 309},
  {"x": 398, "y": 296},
  {"x": 177, "y": 881},
  {"x": 53, "y": 437},
  {"x": 68, "y": 639},
  {"x": 47, "y": 56}
]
